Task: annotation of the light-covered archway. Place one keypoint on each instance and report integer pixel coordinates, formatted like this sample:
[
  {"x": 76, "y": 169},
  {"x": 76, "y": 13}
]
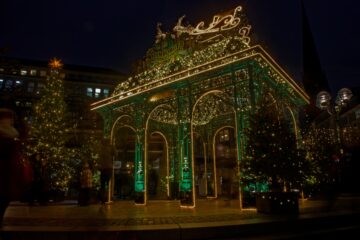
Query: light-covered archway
[
  {"x": 220, "y": 105},
  {"x": 146, "y": 151},
  {"x": 226, "y": 165},
  {"x": 158, "y": 186},
  {"x": 123, "y": 166}
]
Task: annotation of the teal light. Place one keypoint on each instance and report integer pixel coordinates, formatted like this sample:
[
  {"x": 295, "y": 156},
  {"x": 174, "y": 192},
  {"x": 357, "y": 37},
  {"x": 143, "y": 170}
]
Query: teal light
[{"x": 139, "y": 169}]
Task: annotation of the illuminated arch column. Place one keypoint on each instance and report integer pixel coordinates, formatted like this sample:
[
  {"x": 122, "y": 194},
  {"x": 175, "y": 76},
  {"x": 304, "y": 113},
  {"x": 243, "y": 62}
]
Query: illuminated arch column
[
  {"x": 240, "y": 147},
  {"x": 173, "y": 166},
  {"x": 245, "y": 94},
  {"x": 185, "y": 153},
  {"x": 140, "y": 169},
  {"x": 206, "y": 150},
  {"x": 209, "y": 168}
]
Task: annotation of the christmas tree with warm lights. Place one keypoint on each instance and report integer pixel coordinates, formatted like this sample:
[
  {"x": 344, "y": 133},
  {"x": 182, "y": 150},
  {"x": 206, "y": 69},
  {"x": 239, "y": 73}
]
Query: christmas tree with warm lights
[
  {"x": 49, "y": 131},
  {"x": 324, "y": 153},
  {"x": 273, "y": 155}
]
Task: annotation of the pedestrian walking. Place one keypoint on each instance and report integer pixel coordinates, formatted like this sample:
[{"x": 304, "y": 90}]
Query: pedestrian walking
[
  {"x": 8, "y": 154},
  {"x": 105, "y": 167},
  {"x": 85, "y": 185}
]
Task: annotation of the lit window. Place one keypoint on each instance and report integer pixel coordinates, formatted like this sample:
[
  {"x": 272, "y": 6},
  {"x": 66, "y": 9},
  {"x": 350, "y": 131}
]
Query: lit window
[
  {"x": 40, "y": 87},
  {"x": 89, "y": 92},
  {"x": 18, "y": 82},
  {"x": 357, "y": 114},
  {"x": 106, "y": 92},
  {"x": 32, "y": 72},
  {"x": 8, "y": 84},
  {"x": 224, "y": 135},
  {"x": 23, "y": 72},
  {"x": 30, "y": 87},
  {"x": 97, "y": 92},
  {"x": 1, "y": 69},
  {"x": 42, "y": 73},
  {"x": 1, "y": 82}
]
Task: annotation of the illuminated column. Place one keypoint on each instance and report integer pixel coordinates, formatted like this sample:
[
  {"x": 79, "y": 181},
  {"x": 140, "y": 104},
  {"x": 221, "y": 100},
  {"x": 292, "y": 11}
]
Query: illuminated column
[
  {"x": 185, "y": 154},
  {"x": 205, "y": 146},
  {"x": 174, "y": 160},
  {"x": 186, "y": 164},
  {"x": 210, "y": 165},
  {"x": 240, "y": 143},
  {"x": 108, "y": 120},
  {"x": 139, "y": 160},
  {"x": 244, "y": 95}
]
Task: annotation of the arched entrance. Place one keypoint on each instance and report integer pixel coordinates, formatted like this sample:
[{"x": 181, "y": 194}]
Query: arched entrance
[
  {"x": 226, "y": 164},
  {"x": 210, "y": 112},
  {"x": 156, "y": 149},
  {"x": 124, "y": 143},
  {"x": 157, "y": 167}
]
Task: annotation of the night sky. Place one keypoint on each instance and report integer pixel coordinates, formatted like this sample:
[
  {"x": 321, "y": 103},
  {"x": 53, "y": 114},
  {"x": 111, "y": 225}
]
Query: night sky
[{"x": 114, "y": 33}]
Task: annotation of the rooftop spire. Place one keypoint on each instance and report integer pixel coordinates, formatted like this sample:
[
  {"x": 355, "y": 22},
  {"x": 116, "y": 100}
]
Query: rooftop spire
[{"x": 314, "y": 79}]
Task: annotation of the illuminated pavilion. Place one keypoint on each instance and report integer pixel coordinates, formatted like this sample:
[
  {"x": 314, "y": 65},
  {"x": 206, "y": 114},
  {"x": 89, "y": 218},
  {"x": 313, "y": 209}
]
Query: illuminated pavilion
[{"x": 178, "y": 123}]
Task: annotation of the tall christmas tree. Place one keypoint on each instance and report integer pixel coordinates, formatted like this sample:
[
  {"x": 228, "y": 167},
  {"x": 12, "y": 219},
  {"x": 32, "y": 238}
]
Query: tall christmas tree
[
  {"x": 49, "y": 131},
  {"x": 273, "y": 155}
]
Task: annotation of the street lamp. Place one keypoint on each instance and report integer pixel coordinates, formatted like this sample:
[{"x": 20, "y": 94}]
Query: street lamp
[{"x": 323, "y": 101}]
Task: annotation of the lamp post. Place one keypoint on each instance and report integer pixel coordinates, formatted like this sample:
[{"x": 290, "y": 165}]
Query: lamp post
[{"x": 323, "y": 101}]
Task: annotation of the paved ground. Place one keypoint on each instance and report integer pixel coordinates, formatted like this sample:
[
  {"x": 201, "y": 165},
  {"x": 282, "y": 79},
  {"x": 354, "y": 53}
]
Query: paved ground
[{"x": 211, "y": 219}]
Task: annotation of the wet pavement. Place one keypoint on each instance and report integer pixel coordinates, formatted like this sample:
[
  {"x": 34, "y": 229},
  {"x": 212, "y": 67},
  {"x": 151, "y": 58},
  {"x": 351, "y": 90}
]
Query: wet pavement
[{"x": 211, "y": 219}]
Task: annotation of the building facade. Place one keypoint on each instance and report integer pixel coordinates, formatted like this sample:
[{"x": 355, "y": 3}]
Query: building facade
[
  {"x": 178, "y": 123},
  {"x": 22, "y": 82}
]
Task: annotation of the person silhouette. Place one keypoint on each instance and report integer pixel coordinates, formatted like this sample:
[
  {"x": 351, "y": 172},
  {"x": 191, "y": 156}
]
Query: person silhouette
[
  {"x": 85, "y": 184},
  {"x": 8, "y": 154}
]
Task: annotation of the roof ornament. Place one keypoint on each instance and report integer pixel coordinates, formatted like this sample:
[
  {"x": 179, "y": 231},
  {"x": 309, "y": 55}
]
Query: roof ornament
[
  {"x": 219, "y": 23},
  {"x": 180, "y": 29},
  {"x": 160, "y": 35}
]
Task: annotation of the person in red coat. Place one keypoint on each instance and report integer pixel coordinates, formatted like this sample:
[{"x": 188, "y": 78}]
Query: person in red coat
[{"x": 8, "y": 154}]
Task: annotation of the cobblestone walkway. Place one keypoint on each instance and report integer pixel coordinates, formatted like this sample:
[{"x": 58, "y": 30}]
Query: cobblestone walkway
[
  {"x": 73, "y": 222},
  {"x": 122, "y": 214}
]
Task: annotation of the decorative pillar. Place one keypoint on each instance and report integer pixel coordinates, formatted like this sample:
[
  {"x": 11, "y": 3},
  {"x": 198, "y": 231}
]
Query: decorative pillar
[
  {"x": 205, "y": 146},
  {"x": 185, "y": 153},
  {"x": 139, "y": 160},
  {"x": 210, "y": 164},
  {"x": 244, "y": 97},
  {"x": 174, "y": 166}
]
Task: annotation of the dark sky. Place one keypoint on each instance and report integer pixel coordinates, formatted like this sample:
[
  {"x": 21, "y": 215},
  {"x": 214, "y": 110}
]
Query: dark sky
[{"x": 115, "y": 33}]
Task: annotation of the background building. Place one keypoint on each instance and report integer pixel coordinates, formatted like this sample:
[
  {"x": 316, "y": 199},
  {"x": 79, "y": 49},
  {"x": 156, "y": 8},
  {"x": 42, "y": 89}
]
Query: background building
[{"x": 22, "y": 82}]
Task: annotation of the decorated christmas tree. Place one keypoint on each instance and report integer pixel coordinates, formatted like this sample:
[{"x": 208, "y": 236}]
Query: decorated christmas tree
[
  {"x": 49, "y": 131},
  {"x": 323, "y": 152},
  {"x": 273, "y": 154}
]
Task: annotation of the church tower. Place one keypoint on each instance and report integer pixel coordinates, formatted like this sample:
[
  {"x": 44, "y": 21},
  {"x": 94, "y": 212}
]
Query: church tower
[{"x": 314, "y": 79}]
